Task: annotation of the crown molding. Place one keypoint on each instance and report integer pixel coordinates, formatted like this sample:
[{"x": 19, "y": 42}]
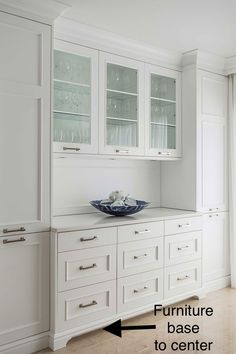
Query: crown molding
[
  {"x": 204, "y": 60},
  {"x": 73, "y": 31},
  {"x": 39, "y": 10},
  {"x": 230, "y": 65}
]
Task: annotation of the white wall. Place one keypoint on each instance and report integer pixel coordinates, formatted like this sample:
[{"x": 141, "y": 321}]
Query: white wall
[{"x": 78, "y": 180}]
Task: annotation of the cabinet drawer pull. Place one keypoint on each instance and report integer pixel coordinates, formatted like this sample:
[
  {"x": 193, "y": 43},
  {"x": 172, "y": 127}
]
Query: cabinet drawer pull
[
  {"x": 183, "y": 247},
  {"x": 122, "y": 151},
  {"x": 94, "y": 265},
  {"x": 164, "y": 153},
  {"x": 21, "y": 239},
  {"x": 140, "y": 290},
  {"x": 184, "y": 278},
  {"x": 146, "y": 231},
  {"x": 141, "y": 256},
  {"x": 211, "y": 216},
  {"x": 184, "y": 225},
  {"x": 82, "y": 306},
  {"x": 213, "y": 209},
  {"x": 70, "y": 148},
  {"x": 7, "y": 231},
  {"x": 82, "y": 239}
]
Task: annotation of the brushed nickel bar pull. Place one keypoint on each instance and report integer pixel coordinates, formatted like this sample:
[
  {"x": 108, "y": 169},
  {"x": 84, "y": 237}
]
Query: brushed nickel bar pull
[
  {"x": 184, "y": 225},
  {"x": 181, "y": 248},
  {"x": 124, "y": 151},
  {"x": 142, "y": 232},
  {"x": 213, "y": 209},
  {"x": 141, "y": 256},
  {"x": 12, "y": 241},
  {"x": 68, "y": 148},
  {"x": 82, "y": 306},
  {"x": 211, "y": 216},
  {"x": 140, "y": 290},
  {"x": 82, "y": 239},
  {"x": 6, "y": 231},
  {"x": 183, "y": 278},
  {"x": 94, "y": 265},
  {"x": 164, "y": 153}
]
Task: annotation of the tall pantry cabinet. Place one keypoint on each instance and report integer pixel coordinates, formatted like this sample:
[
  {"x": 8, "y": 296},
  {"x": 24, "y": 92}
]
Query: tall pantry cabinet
[
  {"x": 25, "y": 61},
  {"x": 200, "y": 180}
]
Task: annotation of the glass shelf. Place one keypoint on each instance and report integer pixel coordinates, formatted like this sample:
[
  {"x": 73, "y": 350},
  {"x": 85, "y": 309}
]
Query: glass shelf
[
  {"x": 121, "y": 78},
  {"x": 163, "y": 136},
  {"x": 120, "y": 105},
  {"x": 72, "y": 128},
  {"x": 121, "y": 132},
  {"x": 70, "y": 98},
  {"x": 163, "y": 112},
  {"x": 72, "y": 67},
  {"x": 163, "y": 87}
]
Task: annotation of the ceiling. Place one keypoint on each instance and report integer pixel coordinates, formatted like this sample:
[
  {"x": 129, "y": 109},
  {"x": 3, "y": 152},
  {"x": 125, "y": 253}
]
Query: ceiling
[{"x": 181, "y": 25}]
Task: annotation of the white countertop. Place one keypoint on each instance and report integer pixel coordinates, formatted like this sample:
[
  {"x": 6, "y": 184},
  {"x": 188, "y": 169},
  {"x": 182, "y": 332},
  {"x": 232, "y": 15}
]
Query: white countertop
[{"x": 96, "y": 220}]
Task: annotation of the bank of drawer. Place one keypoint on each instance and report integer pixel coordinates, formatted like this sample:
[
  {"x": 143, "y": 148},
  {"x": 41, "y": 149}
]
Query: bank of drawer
[
  {"x": 140, "y": 256},
  {"x": 85, "y": 267},
  {"x": 183, "y": 278},
  {"x": 183, "y": 225},
  {"x": 139, "y": 290},
  {"x": 183, "y": 248},
  {"x": 79, "y": 307},
  {"x": 69, "y": 241},
  {"x": 142, "y": 231}
]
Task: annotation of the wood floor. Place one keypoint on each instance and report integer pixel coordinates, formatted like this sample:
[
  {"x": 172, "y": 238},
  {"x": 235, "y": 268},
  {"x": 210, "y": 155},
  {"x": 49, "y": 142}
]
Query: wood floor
[{"x": 219, "y": 329}]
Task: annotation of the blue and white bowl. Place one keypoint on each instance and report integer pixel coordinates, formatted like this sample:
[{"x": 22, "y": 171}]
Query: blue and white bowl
[{"x": 123, "y": 210}]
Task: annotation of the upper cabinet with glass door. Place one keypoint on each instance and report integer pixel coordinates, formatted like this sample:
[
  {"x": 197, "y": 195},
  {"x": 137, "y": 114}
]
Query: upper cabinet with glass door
[
  {"x": 163, "y": 116},
  {"x": 121, "y": 105},
  {"x": 75, "y": 104}
]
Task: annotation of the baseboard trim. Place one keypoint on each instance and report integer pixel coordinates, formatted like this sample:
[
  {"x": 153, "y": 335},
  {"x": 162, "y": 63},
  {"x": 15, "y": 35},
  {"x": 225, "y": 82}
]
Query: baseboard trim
[
  {"x": 217, "y": 284},
  {"x": 27, "y": 345}
]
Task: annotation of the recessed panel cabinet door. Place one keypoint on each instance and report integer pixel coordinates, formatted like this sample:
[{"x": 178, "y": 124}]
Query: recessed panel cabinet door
[
  {"x": 215, "y": 246},
  {"x": 24, "y": 125},
  {"x": 24, "y": 279}
]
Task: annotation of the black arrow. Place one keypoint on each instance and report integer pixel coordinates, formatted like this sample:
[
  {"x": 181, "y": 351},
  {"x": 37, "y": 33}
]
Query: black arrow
[{"x": 116, "y": 328}]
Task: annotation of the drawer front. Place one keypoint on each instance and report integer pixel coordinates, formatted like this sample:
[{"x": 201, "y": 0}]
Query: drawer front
[
  {"x": 85, "y": 267},
  {"x": 182, "y": 278},
  {"x": 183, "y": 248},
  {"x": 142, "y": 231},
  {"x": 69, "y": 241},
  {"x": 183, "y": 225},
  {"x": 79, "y": 307},
  {"x": 139, "y": 290},
  {"x": 140, "y": 256}
]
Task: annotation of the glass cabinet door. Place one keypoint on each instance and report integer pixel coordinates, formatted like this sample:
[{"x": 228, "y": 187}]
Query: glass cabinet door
[
  {"x": 75, "y": 98},
  {"x": 121, "y": 111},
  {"x": 163, "y": 104}
]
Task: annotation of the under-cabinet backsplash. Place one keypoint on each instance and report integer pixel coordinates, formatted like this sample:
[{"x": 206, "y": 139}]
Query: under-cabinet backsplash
[{"x": 76, "y": 181}]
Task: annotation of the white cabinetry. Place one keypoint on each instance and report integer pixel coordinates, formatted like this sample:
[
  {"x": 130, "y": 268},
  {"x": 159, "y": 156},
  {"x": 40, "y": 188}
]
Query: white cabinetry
[
  {"x": 121, "y": 88},
  {"x": 24, "y": 125},
  {"x": 163, "y": 112},
  {"x": 215, "y": 246},
  {"x": 75, "y": 104},
  {"x": 24, "y": 296}
]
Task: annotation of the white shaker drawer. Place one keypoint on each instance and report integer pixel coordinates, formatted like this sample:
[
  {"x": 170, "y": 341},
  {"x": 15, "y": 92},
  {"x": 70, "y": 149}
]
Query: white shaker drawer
[
  {"x": 139, "y": 290},
  {"x": 85, "y": 267},
  {"x": 140, "y": 231},
  {"x": 183, "y": 225},
  {"x": 183, "y": 278},
  {"x": 69, "y": 241},
  {"x": 79, "y": 307},
  {"x": 183, "y": 248},
  {"x": 139, "y": 256}
]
